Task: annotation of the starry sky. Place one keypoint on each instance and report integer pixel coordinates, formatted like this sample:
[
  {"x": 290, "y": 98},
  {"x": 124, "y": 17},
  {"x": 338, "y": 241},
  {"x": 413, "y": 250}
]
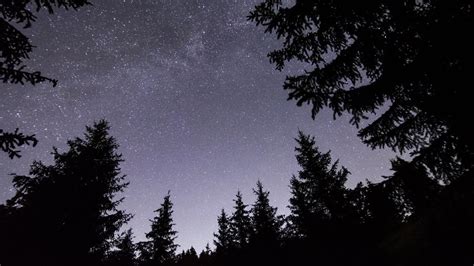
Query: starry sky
[{"x": 191, "y": 98}]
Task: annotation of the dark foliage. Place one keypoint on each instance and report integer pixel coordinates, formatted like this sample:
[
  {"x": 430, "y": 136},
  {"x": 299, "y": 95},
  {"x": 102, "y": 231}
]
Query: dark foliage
[
  {"x": 188, "y": 258},
  {"x": 403, "y": 220},
  {"x": 409, "y": 61},
  {"x": 321, "y": 213},
  {"x": 66, "y": 213},
  {"x": 9, "y": 142},
  {"x": 266, "y": 232},
  {"x": 160, "y": 248},
  {"x": 240, "y": 223},
  {"x": 123, "y": 254},
  {"x": 318, "y": 192},
  {"x": 224, "y": 240}
]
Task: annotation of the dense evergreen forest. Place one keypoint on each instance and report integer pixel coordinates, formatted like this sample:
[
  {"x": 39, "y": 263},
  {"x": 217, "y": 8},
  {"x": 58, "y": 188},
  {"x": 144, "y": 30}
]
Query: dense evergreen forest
[{"x": 408, "y": 62}]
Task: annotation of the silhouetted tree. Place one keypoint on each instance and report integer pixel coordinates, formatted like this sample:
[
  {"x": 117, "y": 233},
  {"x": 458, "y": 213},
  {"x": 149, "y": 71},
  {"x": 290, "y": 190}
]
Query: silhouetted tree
[
  {"x": 188, "y": 257},
  {"x": 407, "y": 194},
  {"x": 409, "y": 61},
  {"x": 265, "y": 222},
  {"x": 387, "y": 207},
  {"x": 393, "y": 212},
  {"x": 206, "y": 256},
  {"x": 224, "y": 239},
  {"x": 419, "y": 190},
  {"x": 160, "y": 249},
  {"x": 443, "y": 233},
  {"x": 66, "y": 213},
  {"x": 358, "y": 201},
  {"x": 325, "y": 218},
  {"x": 144, "y": 249},
  {"x": 15, "y": 48},
  {"x": 240, "y": 222},
  {"x": 124, "y": 252},
  {"x": 318, "y": 192}
]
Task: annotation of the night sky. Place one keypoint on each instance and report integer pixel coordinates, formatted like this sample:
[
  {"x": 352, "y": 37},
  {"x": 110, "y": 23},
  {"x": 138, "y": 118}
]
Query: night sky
[{"x": 191, "y": 97}]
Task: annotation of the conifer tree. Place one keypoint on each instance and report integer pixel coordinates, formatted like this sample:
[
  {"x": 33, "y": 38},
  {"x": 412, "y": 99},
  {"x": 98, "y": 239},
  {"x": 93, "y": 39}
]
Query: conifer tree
[
  {"x": 318, "y": 192},
  {"x": 224, "y": 240},
  {"x": 359, "y": 204},
  {"x": 265, "y": 222},
  {"x": 124, "y": 252},
  {"x": 418, "y": 189},
  {"x": 66, "y": 213},
  {"x": 162, "y": 236},
  {"x": 240, "y": 222},
  {"x": 144, "y": 249},
  {"x": 205, "y": 257},
  {"x": 387, "y": 208},
  {"x": 188, "y": 258}
]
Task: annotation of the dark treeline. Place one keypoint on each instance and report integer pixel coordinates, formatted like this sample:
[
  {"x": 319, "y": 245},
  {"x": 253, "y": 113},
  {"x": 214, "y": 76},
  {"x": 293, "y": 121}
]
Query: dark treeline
[{"x": 67, "y": 214}]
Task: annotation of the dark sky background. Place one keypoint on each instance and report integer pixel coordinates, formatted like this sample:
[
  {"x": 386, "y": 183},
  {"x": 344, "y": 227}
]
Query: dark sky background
[{"x": 191, "y": 97}]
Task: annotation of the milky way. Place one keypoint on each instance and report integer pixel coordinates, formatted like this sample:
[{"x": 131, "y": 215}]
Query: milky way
[{"x": 191, "y": 97}]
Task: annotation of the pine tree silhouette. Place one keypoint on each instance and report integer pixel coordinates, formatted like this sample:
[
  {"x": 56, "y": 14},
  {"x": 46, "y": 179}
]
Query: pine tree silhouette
[
  {"x": 240, "y": 222},
  {"x": 188, "y": 258},
  {"x": 265, "y": 222},
  {"x": 66, "y": 213},
  {"x": 206, "y": 256},
  {"x": 224, "y": 240},
  {"x": 160, "y": 249},
  {"x": 124, "y": 252},
  {"x": 318, "y": 192}
]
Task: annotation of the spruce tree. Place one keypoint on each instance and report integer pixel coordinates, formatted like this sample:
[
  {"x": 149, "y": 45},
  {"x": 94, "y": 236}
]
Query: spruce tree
[
  {"x": 240, "y": 222},
  {"x": 66, "y": 213},
  {"x": 124, "y": 252},
  {"x": 162, "y": 236},
  {"x": 318, "y": 192},
  {"x": 206, "y": 256},
  {"x": 224, "y": 240},
  {"x": 265, "y": 222}
]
